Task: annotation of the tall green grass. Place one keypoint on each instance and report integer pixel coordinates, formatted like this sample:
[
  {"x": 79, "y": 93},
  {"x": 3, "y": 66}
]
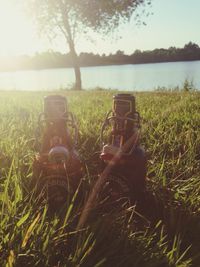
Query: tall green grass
[{"x": 166, "y": 235}]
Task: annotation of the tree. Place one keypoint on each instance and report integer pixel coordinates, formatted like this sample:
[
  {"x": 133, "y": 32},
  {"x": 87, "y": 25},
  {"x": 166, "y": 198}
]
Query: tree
[
  {"x": 191, "y": 46},
  {"x": 74, "y": 17},
  {"x": 191, "y": 51}
]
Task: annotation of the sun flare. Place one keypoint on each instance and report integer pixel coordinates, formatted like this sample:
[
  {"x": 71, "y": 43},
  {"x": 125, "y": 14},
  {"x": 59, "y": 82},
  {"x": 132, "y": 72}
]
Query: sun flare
[
  {"x": 18, "y": 33},
  {"x": 16, "y": 30}
]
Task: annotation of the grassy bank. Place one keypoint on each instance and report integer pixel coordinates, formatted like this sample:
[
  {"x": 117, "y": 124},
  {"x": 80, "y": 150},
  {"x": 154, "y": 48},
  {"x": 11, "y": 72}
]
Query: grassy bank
[{"x": 171, "y": 136}]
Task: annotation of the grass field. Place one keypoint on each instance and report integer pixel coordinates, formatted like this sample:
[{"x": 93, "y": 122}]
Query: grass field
[{"x": 171, "y": 137}]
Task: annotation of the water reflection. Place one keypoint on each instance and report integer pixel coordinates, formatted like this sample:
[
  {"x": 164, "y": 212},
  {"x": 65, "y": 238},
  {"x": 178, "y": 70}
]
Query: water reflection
[{"x": 124, "y": 77}]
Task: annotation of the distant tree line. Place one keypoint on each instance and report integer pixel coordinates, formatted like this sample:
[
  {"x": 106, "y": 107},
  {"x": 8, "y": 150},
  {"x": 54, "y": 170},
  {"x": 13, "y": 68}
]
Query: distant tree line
[{"x": 50, "y": 59}]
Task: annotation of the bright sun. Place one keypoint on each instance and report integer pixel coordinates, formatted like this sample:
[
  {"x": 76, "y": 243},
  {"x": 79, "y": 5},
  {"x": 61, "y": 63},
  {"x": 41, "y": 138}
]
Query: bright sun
[{"x": 17, "y": 33}]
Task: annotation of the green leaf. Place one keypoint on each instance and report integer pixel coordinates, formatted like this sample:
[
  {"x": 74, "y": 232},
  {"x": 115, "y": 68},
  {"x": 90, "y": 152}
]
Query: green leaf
[{"x": 23, "y": 219}]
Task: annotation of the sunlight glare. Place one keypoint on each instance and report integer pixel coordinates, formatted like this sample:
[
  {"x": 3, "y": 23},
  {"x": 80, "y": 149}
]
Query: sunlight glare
[{"x": 17, "y": 33}]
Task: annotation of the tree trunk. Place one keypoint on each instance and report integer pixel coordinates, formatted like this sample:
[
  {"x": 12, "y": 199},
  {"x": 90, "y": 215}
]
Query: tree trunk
[
  {"x": 77, "y": 72},
  {"x": 66, "y": 30},
  {"x": 75, "y": 62}
]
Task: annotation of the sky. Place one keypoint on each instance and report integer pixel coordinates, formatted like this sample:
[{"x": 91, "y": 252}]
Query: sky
[{"x": 172, "y": 23}]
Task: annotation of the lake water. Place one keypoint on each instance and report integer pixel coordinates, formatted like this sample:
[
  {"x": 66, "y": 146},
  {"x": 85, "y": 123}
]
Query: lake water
[{"x": 140, "y": 77}]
